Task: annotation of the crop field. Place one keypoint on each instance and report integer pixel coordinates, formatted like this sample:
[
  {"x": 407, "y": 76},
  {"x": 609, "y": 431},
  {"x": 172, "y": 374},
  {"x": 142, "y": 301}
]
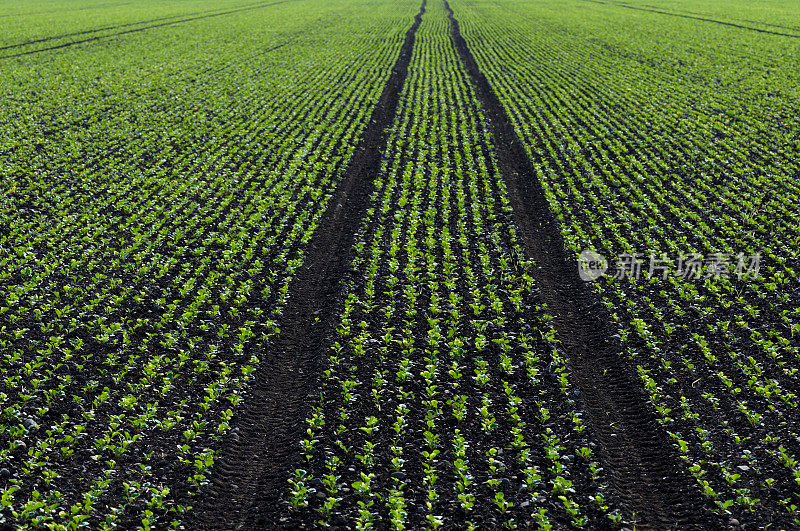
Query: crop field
[{"x": 399, "y": 264}]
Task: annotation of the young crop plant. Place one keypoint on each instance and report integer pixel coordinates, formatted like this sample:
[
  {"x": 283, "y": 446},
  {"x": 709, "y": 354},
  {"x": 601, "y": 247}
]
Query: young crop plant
[
  {"x": 459, "y": 388},
  {"x": 640, "y": 153},
  {"x": 155, "y": 222},
  {"x": 166, "y": 169}
]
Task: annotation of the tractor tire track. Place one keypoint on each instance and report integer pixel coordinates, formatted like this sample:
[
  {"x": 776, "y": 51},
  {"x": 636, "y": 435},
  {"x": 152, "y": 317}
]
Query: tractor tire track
[
  {"x": 251, "y": 476},
  {"x": 104, "y": 28},
  {"x": 88, "y": 8},
  {"x": 703, "y": 19},
  {"x": 695, "y": 13},
  {"x": 126, "y": 32},
  {"x": 642, "y": 465}
]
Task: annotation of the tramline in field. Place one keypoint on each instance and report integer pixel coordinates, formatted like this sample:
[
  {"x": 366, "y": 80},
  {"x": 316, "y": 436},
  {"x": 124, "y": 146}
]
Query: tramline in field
[{"x": 301, "y": 264}]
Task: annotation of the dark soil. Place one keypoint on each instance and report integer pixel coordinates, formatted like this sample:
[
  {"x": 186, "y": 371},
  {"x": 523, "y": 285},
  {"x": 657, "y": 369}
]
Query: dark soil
[
  {"x": 715, "y": 21},
  {"x": 251, "y": 475},
  {"x": 125, "y": 32},
  {"x": 643, "y": 467}
]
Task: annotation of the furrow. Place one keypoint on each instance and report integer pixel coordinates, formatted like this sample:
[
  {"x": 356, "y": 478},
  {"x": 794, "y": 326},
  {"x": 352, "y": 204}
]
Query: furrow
[
  {"x": 246, "y": 496},
  {"x": 642, "y": 465},
  {"x": 135, "y": 30}
]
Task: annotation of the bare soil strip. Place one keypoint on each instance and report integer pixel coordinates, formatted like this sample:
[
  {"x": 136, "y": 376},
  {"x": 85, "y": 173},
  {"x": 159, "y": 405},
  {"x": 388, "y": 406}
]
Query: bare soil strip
[
  {"x": 117, "y": 34},
  {"x": 104, "y": 28},
  {"x": 705, "y": 19},
  {"x": 252, "y": 473},
  {"x": 641, "y": 463}
]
